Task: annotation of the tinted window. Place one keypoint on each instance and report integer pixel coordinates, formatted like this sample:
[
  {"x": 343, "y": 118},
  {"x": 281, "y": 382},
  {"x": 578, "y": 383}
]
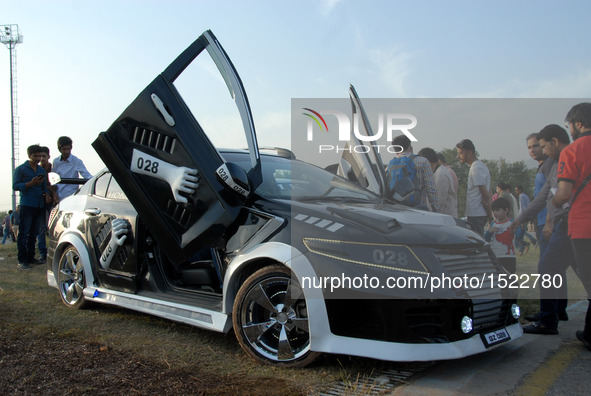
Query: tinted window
[
  {"x": 114, "y": 191},
  {"x": 292, "y": 179},
  {"x": 100, "y": 187}
]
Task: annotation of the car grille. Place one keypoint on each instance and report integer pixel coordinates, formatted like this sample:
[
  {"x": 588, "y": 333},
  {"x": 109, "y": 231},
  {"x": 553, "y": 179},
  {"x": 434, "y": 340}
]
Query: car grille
[
  {"x": 155, "y": 140},
  {"x": 102, "y": 235},
  {"x": 476, "y": 265},
  {"x": 490, "y": 309},
  {"x": 179, "y": 213},
  {"x": 489, "y": 313},
  {"x": 102, "y": 239}
]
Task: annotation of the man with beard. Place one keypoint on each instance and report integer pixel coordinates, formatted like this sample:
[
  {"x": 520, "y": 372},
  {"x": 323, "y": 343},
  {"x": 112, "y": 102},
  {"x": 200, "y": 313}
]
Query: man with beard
[
  {"x": 544, "y": 166},
  {"x": 574, "y": 172},
  {"x": 557, "y": 256}
]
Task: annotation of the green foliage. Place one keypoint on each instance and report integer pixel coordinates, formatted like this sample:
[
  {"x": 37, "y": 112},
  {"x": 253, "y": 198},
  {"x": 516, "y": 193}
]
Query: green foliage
[
  {"x": 462, "y": 174},
  {"x": 513, "y": 173}
]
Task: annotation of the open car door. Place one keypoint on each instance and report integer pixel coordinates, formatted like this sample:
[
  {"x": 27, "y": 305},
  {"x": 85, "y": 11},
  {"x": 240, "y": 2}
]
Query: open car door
[
  {"x": 365, "y": 168},
  {"x": 168, "y": 167}
]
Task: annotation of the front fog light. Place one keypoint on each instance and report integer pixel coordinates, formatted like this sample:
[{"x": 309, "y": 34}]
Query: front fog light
[
  {"x": 466, "y": 324},
  {"x": 515, "y": 311}
]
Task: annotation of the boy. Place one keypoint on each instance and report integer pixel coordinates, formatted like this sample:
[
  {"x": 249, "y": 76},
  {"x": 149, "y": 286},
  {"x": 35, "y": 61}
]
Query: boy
[
  {"x": 500, "y": 235},
  {"x": 29, "y": 178},
  {"x": 68, "y": 165},
  {"x": 50, "y": 201}
]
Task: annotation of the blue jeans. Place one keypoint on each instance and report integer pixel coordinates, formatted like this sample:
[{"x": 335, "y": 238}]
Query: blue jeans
[
  {"x": 582, "y": 252},
  {"x": 557, "y": 257},
  {"x": 41, "y": 242},
  {"x": 542, "y": 242},
  {"x": 31, "y": 220},
  {"x": 6, "y": 233}
]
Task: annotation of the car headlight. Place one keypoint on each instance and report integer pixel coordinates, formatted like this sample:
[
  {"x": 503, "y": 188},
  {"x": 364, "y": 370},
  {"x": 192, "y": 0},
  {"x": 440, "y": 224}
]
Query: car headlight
[
  {"x": 381, "y": 256},
  {"x": 466, "y": 324}
]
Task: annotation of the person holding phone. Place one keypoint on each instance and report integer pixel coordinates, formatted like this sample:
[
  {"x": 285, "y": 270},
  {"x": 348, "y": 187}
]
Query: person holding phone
[{"x": 29, "y": 179}]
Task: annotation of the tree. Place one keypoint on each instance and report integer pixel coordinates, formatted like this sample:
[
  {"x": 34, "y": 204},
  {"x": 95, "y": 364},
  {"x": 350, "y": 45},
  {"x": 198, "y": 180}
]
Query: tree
[{"x": 514, "y": 173}]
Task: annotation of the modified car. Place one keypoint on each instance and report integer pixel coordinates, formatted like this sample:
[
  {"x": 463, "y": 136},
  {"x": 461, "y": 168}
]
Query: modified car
[{"x": 296, "y": 260}]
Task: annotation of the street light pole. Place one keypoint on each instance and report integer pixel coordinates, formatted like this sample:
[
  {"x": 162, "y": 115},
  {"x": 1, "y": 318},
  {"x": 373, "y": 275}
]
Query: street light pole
[{"x": 10, "y": 36}]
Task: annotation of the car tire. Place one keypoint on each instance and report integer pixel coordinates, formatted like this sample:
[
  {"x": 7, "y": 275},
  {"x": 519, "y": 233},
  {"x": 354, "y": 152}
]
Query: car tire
[
  {"x": 70, "y": 279},
  {"x": 270, "y": 319}
]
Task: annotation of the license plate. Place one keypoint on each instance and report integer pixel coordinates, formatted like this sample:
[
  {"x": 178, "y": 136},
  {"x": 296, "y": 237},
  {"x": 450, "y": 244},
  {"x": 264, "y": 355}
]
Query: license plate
[{"x": 495, "y": 337}]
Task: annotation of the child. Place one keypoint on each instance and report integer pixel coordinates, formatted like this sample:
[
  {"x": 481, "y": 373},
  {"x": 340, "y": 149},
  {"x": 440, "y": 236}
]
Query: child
[{"x": 500, "y": 236}]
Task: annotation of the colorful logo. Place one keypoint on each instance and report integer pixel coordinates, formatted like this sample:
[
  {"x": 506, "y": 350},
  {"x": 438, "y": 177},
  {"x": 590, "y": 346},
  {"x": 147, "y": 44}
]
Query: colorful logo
[
  {"x": 316, "y": 119},
  {"x": 388, "y": 124}
]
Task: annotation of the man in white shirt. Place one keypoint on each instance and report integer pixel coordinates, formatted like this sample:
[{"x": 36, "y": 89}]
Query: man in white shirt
[
  {"x": 478, "y": 202},
  {"x": 504, "y": 191},
  {"x": 447, "y": 195},
  {"x": 68, "y": 166},
  {"x": 443, "y": 162}
]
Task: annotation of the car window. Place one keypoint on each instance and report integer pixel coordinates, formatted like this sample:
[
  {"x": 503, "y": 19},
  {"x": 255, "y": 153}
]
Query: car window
[
  {"x": 205, "y": 93},
  {"x": 288, "y": 179},
  {"x": 107, "y": 187},
  {"x": 101, "y": 184},
  {"x": 114, "y": 191}
]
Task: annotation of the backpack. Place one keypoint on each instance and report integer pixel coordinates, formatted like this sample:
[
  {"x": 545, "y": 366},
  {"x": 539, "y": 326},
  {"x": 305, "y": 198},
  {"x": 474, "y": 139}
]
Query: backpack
[{"x": 400, "y": 167}]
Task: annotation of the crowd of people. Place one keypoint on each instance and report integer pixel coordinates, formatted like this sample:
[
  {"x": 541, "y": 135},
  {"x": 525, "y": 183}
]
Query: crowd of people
[
  {"x": 560, "y": 209},
  {"x": 28, "y": 222}
]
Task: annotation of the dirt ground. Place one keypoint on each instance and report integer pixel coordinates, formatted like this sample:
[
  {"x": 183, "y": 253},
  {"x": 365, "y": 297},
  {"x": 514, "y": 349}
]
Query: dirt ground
[
  {"x": 53, "y": 366},
  {"x": 57, "y": 363}
]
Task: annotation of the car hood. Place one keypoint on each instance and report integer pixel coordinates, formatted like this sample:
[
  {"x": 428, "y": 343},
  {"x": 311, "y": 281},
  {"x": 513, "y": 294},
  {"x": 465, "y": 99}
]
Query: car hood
[{"x": 379, "y": 223}]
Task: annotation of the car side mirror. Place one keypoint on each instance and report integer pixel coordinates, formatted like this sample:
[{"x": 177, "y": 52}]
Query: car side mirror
[
  {"x": 402, "y": 189},
  {"x": 234, "y": 178},
  {"x": 54, "y": 179}
]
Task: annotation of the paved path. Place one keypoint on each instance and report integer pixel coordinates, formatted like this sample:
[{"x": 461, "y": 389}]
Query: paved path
[{"x": 531, "y": 365}]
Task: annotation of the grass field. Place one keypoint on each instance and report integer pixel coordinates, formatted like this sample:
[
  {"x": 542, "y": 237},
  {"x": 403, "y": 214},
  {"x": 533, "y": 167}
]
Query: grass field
[{"x": 31, "y": 313}]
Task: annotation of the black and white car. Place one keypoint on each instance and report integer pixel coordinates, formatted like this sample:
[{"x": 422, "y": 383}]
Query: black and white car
[{"x": 237, "y": 239}]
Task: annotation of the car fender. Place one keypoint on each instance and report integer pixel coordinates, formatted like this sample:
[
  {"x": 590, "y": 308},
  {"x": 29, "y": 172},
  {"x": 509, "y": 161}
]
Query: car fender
[
  {"x": 275, "y": 252},
  {"x": 300, "y": 266},
  {"x": 75, "y": 239}
]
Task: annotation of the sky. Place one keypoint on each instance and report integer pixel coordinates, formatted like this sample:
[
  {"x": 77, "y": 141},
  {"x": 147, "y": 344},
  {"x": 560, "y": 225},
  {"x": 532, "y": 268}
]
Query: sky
[{"x": 82, "y": 62}]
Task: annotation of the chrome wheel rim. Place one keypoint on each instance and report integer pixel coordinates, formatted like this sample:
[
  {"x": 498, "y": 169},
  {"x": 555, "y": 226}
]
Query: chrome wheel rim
[
  {"x": 275, "y": 319},
  {"x": 71, "y": 277}
]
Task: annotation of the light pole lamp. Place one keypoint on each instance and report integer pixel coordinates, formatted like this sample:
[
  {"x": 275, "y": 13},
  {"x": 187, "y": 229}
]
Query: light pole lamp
[{"x": 11, "y": 36}]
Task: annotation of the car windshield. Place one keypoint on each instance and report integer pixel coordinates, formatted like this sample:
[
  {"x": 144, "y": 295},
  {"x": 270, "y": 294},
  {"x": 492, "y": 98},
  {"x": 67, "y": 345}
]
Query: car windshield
[{"x": 291, "y": 179}]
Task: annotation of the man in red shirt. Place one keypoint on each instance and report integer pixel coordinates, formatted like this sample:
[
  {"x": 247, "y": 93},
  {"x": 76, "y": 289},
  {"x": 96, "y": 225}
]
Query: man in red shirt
[{"x": 574, "y": 168}]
